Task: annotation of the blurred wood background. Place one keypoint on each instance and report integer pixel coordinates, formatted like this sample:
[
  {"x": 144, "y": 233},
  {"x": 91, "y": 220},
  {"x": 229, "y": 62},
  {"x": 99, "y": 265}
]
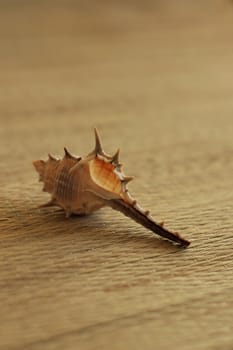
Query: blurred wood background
[{"x": 156, "y": 78}]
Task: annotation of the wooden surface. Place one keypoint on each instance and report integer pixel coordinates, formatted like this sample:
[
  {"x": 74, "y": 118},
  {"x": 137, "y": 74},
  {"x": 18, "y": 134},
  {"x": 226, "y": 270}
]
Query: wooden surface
[{"x": 156, "y": 78}]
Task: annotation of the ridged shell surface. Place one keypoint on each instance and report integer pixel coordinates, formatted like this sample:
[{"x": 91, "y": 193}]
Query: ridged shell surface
[{"x": 81, "y": 186}]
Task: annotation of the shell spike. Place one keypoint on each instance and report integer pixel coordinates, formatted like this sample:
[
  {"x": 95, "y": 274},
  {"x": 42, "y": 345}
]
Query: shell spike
[
  {"x": 127, "y": 179},
  {"x": 51, "y": 157},
  {"x": 98, "y": 145},
  {"x": 115, "y": 157},
  {"x": 67, "y": 153}
]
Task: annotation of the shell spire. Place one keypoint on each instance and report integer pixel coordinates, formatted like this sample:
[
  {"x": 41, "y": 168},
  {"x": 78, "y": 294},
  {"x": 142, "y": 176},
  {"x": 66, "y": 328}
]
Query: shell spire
[{"x": 83, "y": 186}]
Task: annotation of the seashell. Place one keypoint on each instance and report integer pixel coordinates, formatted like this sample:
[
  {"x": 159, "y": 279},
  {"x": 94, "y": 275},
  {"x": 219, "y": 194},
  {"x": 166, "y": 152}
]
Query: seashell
[{"x": 83, "y": 185}]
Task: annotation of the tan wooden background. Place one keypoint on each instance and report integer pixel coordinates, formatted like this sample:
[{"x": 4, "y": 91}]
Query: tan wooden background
[{"x": 156, "y": 78}]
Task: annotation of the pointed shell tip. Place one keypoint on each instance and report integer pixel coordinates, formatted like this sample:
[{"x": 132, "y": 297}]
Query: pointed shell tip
[{"x": 98, "y": 145}]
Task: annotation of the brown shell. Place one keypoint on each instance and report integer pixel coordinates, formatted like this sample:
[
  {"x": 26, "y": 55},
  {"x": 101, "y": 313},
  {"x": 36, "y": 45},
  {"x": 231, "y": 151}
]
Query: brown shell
[{"x": 81, "y": 186}]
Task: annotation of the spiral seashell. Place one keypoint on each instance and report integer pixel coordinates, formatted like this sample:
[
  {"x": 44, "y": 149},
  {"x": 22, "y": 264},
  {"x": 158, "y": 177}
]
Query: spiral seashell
[{"x": 83, "y": 185}]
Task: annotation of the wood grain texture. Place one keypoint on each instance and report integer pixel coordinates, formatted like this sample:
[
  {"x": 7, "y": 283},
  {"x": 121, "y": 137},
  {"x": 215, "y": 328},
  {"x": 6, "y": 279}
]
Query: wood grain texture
[{"x": 156, "y": 78}]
